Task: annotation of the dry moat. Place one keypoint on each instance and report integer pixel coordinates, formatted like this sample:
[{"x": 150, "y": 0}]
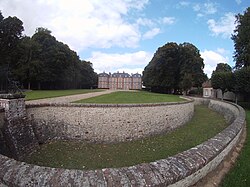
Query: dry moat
[
  {"x": 81, "y": 155},
  {"x": 107, "y": 127}
]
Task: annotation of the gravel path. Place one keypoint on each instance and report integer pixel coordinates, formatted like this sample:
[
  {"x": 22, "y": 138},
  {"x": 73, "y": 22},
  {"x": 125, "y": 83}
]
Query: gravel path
[{"x": 70, "y": 98}]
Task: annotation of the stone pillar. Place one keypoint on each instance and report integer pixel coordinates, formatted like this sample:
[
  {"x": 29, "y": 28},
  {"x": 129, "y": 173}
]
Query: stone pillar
[
  {"x": 14, "y": 107},
  {"x": 17, "y": 130}
]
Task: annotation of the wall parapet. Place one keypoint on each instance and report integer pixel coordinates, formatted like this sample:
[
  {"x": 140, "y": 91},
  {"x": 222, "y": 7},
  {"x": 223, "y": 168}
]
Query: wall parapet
[
  {"x": 183, "y": 169},
  {"x": 87, "y": 105}
]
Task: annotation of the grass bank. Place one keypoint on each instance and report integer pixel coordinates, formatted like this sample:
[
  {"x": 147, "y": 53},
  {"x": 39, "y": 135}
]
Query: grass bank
[
  {"x": 80, "y": 155},
  {"x": 41, "y": 94},
  {"x": 132, "y": 97},
  {"x": 240, "y": 175}
]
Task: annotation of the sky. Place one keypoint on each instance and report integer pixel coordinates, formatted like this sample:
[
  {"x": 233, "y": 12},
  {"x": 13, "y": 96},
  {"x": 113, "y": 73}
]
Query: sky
[{"x": 123, "y": 35}]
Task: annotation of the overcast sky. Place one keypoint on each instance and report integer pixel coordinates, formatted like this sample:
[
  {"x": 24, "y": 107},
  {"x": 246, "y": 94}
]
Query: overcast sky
[{"x": 123, "y": 35}]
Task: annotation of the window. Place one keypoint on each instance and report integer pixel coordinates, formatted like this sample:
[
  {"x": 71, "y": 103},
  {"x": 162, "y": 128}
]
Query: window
[{"x": 206, "y": 92}]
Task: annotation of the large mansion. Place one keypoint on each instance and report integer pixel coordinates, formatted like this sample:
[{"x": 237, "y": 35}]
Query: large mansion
[{"x": 123, "y": 81}]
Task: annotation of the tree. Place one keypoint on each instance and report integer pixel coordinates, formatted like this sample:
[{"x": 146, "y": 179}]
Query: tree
[
  {"x": 26, "y": 66},
  {"x": 242, "y": 85},
  {"x": 186, "y": 82},
  {"x": 40, "y": 61},
  {"x": 242, "y": 40},
  {"x": 191, "y": 66},
  {"x": 45, "y": 63},
  {"x": 223, "y": 78},
  {"x": 223, "y": 67},
  {"x": 174, "y": 68},
  {"x": 11, "y": 29},
  {"x": 10, "y": 34},
  {"x": 1, "y": 16},
  {"x": 88, "y": 78}
]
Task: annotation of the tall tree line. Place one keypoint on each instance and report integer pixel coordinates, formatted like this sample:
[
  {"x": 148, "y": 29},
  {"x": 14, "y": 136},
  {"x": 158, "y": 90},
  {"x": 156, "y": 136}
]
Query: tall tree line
[{"x": 40, "y": 61}]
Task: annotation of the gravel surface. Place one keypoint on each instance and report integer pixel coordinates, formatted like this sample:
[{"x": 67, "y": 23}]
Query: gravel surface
[{"x": 70, "y": 98}]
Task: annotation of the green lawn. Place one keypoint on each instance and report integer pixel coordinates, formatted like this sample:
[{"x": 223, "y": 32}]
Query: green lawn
[
  {"x": 240, "y": 175},
  {"x": 79, "y": 155},
  {"x": 41, "y": 94},
  {"x": 132, "y": 97}
]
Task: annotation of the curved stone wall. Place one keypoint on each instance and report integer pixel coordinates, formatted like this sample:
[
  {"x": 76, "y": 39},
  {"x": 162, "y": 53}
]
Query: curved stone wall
[
  {"x": 183, "y": 169},
  {"x": 1, "y": 117},
  {"x": 107, "y": 123}
]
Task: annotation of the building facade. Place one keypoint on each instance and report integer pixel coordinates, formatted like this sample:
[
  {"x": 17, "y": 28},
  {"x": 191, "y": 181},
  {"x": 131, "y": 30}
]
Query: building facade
[
  {"x": 208, "y": 90},
  {"x": 122, "y": 81}
]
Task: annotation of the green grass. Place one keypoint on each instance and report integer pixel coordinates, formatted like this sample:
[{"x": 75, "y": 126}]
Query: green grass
[
  {"x": 240, "y": 175},
  {"x": 41, "y": 94},
  {"x": 79, "y": 155},
  {"x": 132, "y": 97}
]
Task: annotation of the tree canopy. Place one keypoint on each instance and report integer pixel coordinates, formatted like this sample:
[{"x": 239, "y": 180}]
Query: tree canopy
[
  {"x": 223, "y": 67},
  {"x": 223, "y": 78},
  {"x": 174, "y": 68},
  {"x": 40, "y": 61},
  {"x": 242, "y": 54},
  {"x": 242, "y": 40}
]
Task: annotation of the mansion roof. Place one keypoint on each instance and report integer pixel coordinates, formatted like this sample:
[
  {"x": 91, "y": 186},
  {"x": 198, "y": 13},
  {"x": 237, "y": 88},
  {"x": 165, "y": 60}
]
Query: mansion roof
[
  {"x": 207, "y": 84},
  {"x": 119, "y": 75}
]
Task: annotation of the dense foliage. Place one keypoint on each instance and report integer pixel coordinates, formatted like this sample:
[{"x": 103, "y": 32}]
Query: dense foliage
[
  {"x": 241, "y": 39},
  {"x": 242, "y": 82},
  {"x": 40, "y": 61},
  {"x": 223, "y": 78},
  {"x": 174, "y": 68}
]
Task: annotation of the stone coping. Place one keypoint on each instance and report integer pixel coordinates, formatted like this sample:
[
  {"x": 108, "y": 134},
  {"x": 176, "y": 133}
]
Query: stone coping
[
  {"x": 182, "y": 169},
  {"x": 107, "y": 105},
  {"x": 11, "y": 96}
]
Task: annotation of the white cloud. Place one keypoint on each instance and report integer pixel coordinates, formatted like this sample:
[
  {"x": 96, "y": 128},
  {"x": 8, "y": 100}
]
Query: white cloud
[
  {"x": 210, "y": 8},
  {"x": 168, "y": 20},
  {"x": 205, "y": 8},
  {"x": 81, "y": 24},
  {"x": 223, "y": 51},
  {"x": 211, "y": 59},
  {"x": 184, "y": 3},
  {"x": 151, "y": 33},
  {"x": 197, "y": 7},
  {"x": 224, "y": 27},
  {"x": 89, "y": 23},
  {"x": 130, "y": 62},
  {"x": 238, "y": 1},
  {"x": 145, "y": 22}
]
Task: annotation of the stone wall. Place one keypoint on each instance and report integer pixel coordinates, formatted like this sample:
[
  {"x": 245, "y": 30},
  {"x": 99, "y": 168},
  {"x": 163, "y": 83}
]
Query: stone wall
[
  {"x": 14, "y": 108},
  {"x": 107, "y": 123},
  {"x": 229, "y": 111},
  {"x": 17, "y": 138},
  {"x": 3, "y": 149},
  {"x": 1, "y": 117},
  {"x": 183, "y": 169}
]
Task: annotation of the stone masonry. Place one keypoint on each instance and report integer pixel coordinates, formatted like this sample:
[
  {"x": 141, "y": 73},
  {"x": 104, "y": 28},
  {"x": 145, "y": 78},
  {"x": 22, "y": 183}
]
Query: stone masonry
[
  {"x": 16, "y": 131},
  {"x": 107, "y": 123},
  {"x": 183, "y": 169}
]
